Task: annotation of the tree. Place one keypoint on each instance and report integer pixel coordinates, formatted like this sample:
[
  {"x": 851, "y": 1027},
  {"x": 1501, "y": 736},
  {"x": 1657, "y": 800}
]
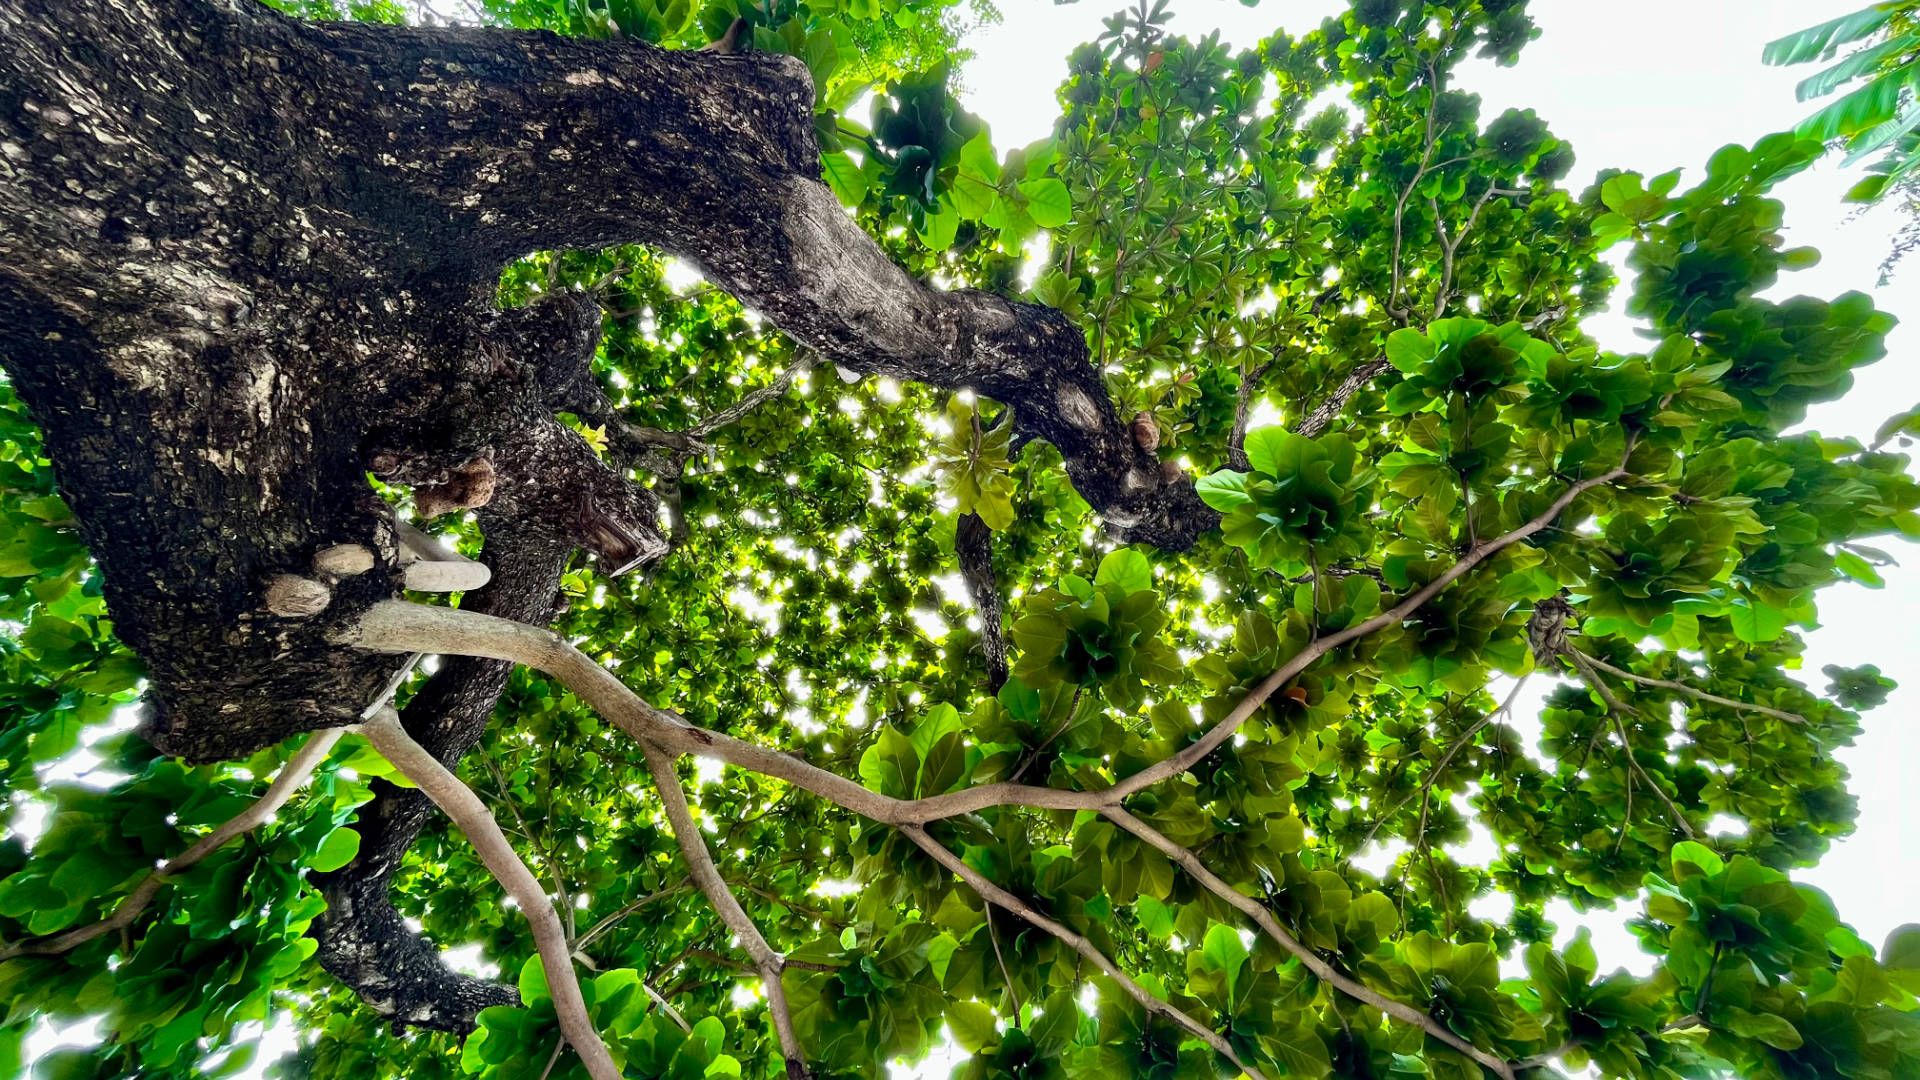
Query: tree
[
  {"x": 904, "y": 628},
  {"x": 1881, "y": 115}
]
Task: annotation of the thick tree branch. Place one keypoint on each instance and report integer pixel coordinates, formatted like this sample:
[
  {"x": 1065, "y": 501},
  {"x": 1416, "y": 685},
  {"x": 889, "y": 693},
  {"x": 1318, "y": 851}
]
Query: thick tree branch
[
  {"x": 994, "y": 894},
  {"x": 292, "y": 777},
  {"x": 1243, "y": 415},
  {"x": 471, "y": 817},
  {"x": 1263, "y": 918},
  {"x": 1323, "y": 415},
  {"x": 706, "y": 875}
]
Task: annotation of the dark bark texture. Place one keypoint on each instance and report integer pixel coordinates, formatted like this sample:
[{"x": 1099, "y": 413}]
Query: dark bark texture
[
  {"x": 245, "y": 261},
  {"x": 973, "y": 544}
]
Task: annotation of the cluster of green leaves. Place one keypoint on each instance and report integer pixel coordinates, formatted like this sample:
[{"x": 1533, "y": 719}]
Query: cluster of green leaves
[
  {"x": 644, "y": 1042},
  {"x": 1879, "y": 115},
  {"x": 1880, "y": 112},
  {"x": 1207, "y": 231}
]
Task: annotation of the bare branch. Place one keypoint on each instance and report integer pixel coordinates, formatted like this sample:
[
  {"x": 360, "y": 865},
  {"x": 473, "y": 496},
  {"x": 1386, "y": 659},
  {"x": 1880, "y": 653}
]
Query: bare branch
[
  {"x": 1694, "y": 692},
  {"x": 560, "y": 892},
  {"x": 1617, "y": 710},
  {"x": 1225, "y": 729},
  {"x": 693, "y": 848},
  {"x": 293, "y": 775},
  {"x": 973, "y": 544},
  {"x": 613, "y": 919},
  {"x": 1243, "y": 410},
  {"x": 1258, "y": 912},
  {"x": 471, "y": 817},
  {"x": 1433, "y": 774},
  {"x": 996, "y": 895},
  {"x": 749, "y": 402},
  {"x": 666, "y": 1006}
]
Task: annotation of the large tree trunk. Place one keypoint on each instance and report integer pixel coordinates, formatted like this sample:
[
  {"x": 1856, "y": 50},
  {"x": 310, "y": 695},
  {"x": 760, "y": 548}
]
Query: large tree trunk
[{"x": 245, "y": 260}]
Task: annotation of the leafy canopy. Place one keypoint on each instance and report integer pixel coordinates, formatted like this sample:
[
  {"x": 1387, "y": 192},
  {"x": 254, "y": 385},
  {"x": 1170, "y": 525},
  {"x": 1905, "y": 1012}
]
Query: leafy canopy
[{"x": 1648, "y": 531}]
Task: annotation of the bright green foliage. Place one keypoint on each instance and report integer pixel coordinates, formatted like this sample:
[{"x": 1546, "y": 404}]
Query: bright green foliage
[
  {"x": 1878, "y": 110},
  {"x": 975, "y": 469},
  {"x": 644, "y": 1042},
  {"x": 1302, "y": 504},
  {"x": 1209, "y": 223},
  {"x": 1105, "y": 631},
  {"x": 1879, "y": 114}
]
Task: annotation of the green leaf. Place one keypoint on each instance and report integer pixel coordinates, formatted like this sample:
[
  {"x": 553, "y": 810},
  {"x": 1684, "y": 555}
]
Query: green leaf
[
  {"x": 848, "y": 182},
  {"x": 973, "y": 1025},
  {"x": 1756, "y": 623},
  {"x": 1126, "y": 569},
  {"x": 1048, "y": 201},
  {"x": 335, "y": 851},
  {"x": 1804, "y": 45},
  {"x": 1692, "y": 859}
]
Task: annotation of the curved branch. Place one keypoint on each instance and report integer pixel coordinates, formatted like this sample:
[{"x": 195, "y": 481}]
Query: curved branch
[
  {"x": 292, "y": 777},
  {"x": 994, "y": 894},
  {"x": 673, "y": 799},
  {"x": 397, "y": 626},
  {"x": 1256, "y": 911},
  {"x": 471, "y": 817},
  {"x": 364, "y": 942},
  {"x": 1224, "y": 730},
  {"x": 1323, "y": 414}
]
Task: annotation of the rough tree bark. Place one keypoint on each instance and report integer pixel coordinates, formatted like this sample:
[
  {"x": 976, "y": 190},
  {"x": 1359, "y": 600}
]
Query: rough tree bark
[{"x": 245, "y": 261}]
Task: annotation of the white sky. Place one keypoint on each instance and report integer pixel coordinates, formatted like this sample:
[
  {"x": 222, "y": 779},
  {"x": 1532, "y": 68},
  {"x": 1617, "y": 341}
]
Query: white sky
[{"x": 1648, "y": 85}]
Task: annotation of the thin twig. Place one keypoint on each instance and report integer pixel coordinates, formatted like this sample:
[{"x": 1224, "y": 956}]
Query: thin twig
[
  {"x": 1618, "y": 710},
  {"x": 293, "y": 775},
  {"x": 666, "y": 1006},
  {"x": 1433, "y": 774},
  {"x": 994, "y": 936},
  {"x": 1690, "y": 691},
  {"x": 561, "y": 895},
  {"x": 673, "y": 799},
  {"x": 614, "y": 919}
]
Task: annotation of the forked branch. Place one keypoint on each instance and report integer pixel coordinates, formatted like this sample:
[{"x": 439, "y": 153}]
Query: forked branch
[
  {"x": 398, "y": 626},
  {"x": 1692, "y": 691}
]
